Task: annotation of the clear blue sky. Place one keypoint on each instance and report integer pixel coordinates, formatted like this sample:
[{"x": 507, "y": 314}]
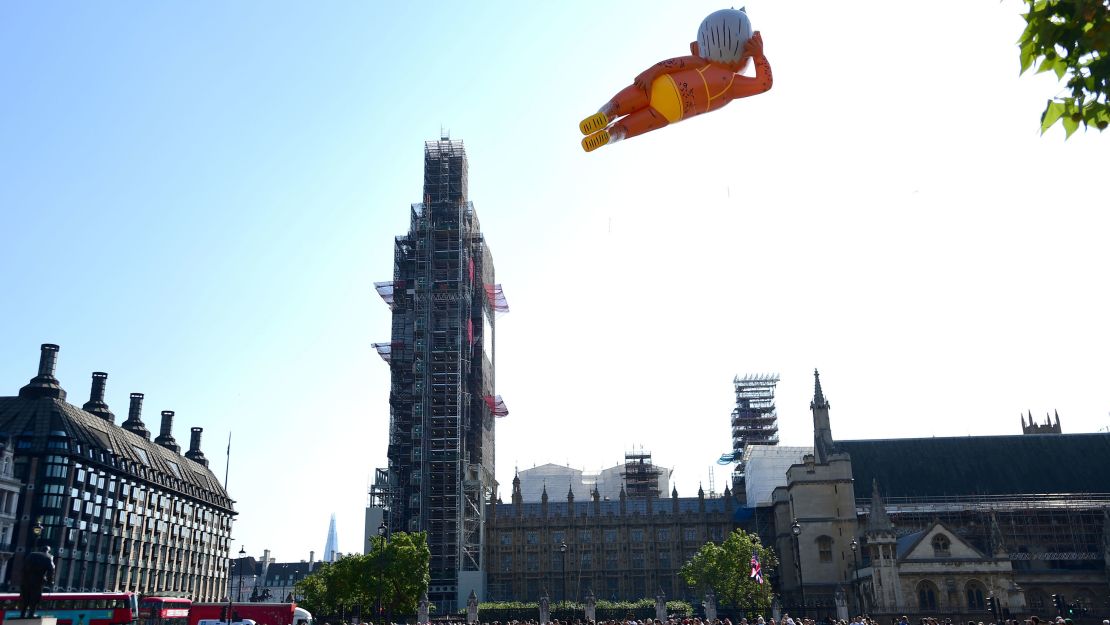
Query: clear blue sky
[{"x": 197, "y": 196}]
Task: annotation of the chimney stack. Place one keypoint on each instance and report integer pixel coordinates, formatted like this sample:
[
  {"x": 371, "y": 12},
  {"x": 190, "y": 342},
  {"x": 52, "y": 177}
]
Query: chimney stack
[
  {"x": 134, "y": 422},
  {"x": 48, "y": 359},
  {"x": 194, "y": 452},
  {"x": 165, "y": 436},
  {"x": 45, "y": 384},
  {"x": 96, "y": 404}
]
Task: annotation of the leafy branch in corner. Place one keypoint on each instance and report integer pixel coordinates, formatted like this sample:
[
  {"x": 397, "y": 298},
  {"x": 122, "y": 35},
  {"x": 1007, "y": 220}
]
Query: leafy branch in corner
[{"x": 1072, "y": 39}]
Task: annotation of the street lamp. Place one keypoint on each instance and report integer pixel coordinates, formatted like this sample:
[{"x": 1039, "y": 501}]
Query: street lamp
[
  {"x": 242, "y": 554},
  {"x": 563, "y": 570},
  {"x": 796, "y": 530},
  {"x": 239, "y": 595},
  {"x": 855, "y": 574},
  {"x": 36, "y": 529},
  {"x": 382, "y": 530}
]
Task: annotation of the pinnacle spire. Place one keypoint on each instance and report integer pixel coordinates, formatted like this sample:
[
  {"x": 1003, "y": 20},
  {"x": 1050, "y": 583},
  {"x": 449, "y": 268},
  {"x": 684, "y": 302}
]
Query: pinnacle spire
[
  {"x": 878, "y": 520},
  {"x": 822, "y": 431},
  {"x": 818, "y": 396},
  {"x": 998, "y": 543}
]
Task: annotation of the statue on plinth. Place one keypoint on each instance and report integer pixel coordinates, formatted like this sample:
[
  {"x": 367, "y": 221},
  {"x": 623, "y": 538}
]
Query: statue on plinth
[{"x": 38, "y": 569}]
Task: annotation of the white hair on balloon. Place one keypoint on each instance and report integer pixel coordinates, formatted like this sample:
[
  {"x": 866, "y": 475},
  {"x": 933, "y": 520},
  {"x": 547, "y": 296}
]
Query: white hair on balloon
[{"x": 722, "y": 36}]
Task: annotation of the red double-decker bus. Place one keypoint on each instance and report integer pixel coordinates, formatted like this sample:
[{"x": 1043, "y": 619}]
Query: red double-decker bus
[
  {"x": 164, "y": 611},
  {"x": 78, "y": 608}
]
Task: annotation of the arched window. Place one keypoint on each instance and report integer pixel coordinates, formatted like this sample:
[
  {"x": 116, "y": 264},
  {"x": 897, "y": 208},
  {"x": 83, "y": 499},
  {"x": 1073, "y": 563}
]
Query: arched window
[
  {"x": 824, "y": 548},
  {"x": 926, "y": 596},
  {"x": 941, "y": 544},
  {"x": 976, "y": 596}
]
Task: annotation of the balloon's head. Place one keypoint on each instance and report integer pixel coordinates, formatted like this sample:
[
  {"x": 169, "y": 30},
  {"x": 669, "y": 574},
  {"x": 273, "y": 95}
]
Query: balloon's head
[{"x": 722, "y": 36}]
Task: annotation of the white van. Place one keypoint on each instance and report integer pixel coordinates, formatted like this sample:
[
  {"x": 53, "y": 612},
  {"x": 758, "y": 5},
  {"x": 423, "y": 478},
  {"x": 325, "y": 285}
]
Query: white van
[
  {"x": 213, "y": 621},
  {"x": 302, "y": 617}
]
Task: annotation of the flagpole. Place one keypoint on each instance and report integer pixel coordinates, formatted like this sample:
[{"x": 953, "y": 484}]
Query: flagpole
[{"x": 227, "y": 465}]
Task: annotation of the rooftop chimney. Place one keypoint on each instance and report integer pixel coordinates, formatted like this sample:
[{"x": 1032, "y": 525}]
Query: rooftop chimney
[
  {"x": 45, "y": 384},
  {"x": 194, "y": 452},
  {"x": 134, "y": 422},
  {"x": 96, "y": 404},
  {"x": 165, "y": 436}
]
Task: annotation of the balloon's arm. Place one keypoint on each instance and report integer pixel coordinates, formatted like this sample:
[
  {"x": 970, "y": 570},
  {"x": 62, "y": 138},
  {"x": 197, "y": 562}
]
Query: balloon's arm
[
  {"x": 644, "y": 80},
  {"x": 745, "y": 86}
]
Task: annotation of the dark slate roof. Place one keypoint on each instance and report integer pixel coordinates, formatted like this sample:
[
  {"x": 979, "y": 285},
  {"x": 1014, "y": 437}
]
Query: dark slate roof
[
  {"x": 982, "y": 465},
  {"x": 281, "y": 571},
  {"x": 661, "y": 506},
  {"x": 35, "y": 419},
  {"x": 248, "y": 565},
  {"x": 907, "y": 543}
]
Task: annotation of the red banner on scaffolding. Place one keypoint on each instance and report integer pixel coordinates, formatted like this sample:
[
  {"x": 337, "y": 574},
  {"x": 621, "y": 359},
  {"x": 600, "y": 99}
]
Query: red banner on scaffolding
[
  {"x": 497, "y": 406},
  {"x": 496, "y": 297}
]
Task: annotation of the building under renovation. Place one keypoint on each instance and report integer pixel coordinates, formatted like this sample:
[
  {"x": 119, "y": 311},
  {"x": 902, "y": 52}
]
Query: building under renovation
[
  {"x": 937, "y": 526},
  {"x": 754, "y": 422},
  {"x": 638, "y": 476},
  {"x": 442, "y": 396}
]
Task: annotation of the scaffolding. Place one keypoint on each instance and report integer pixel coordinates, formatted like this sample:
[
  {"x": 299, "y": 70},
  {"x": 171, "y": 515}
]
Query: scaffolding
[
  {"x": 496, "y": 296},
  {"x": 441, "y": 431},
  {"x": 385, "y": 350},
  {"x": 754, "y": 421},
  {"x": 640, "y": 476},
  {"x": 497, "y": 406},
  {"x": 1038, "y": 532},
  {"x": 385, "y": 291}
]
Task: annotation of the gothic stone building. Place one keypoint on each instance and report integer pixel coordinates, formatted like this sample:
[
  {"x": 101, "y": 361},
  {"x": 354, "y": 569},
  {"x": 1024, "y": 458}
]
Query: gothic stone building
[
  {"x": 118, "y": 511},
  {"x": 622, "y": 550},
  {"x": 937, "y": 526}
]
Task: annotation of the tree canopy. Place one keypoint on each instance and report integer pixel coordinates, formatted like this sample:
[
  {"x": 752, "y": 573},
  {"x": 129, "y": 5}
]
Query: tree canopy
[
  {"x": 726, "y": 568},
  {"x": 398, "y": 573},
  {"x": 1072, "y": 39}
]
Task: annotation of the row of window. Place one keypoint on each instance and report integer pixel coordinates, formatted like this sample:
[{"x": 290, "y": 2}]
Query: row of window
[
  {"x": 636, "y": 535},
  {"x": 927, "y": 596},
  {"x": 144, "y": 499},
  {"x": 585, "y": 562}
]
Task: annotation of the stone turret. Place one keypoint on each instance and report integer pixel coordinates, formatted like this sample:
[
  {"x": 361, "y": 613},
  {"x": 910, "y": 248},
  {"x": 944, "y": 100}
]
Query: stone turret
[{"x": 883, "y": 545}]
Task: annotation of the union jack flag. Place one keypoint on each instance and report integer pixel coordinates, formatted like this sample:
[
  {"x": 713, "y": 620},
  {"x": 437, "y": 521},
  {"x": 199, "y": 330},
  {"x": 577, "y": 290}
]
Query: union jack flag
[{"x": 757, "y": 571}]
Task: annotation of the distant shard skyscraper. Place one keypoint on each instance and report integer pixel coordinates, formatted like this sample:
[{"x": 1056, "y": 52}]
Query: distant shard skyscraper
[{"x": 331, "y": 549}]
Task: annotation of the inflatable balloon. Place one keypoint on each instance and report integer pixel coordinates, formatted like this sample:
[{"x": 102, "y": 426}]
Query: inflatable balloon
[{"x": 679, "y": 88}]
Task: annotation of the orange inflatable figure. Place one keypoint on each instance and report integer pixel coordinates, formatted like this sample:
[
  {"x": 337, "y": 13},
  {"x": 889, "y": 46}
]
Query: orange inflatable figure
[{"x": 679, "y": 88}]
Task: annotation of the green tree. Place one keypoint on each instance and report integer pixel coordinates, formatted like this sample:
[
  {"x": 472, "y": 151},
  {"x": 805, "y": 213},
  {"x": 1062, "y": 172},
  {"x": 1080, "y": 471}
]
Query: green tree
[
  {"x": 726, "y": 568},
  {"x": 407, "y": 571},
  {"x": 1072, "y": 39},
  {"x": 399, "y": 574}
]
